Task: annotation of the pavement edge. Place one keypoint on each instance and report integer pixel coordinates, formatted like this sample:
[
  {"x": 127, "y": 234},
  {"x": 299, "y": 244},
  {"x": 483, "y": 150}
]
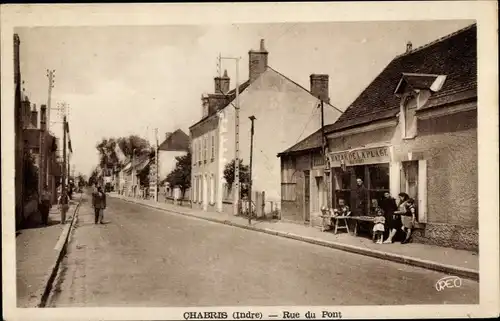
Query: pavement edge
[
  {"x": 60, "y": 256},
  {"x": 439, "y": 267}
]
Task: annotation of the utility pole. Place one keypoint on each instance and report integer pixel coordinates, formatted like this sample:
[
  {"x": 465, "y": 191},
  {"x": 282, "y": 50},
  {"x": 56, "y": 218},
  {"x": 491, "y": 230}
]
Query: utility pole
[
  {"x": 50, "y": 75},
  {"x": 324, "y": 147},
  {"x": 236, "y": 201},
  {"x": 252, "y": 119},
  {"x": 63, "y": 183},
  {"x": 157, "y": 159}
]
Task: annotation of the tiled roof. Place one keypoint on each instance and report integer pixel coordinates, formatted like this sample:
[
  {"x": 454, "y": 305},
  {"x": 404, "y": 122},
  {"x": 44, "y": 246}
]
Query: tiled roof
[
  {"x": 454, "y": 56},
  {"x": 177, "y": 141}
]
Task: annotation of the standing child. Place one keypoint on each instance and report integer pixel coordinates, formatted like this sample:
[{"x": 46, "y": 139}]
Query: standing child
[
  {"x": 379, "y": 226},
  {"x": 408, "y": 219}
]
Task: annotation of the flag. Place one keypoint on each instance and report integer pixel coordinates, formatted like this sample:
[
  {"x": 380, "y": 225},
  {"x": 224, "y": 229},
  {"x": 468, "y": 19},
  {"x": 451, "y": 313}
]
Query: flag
[{"x": 69, "y": 146}]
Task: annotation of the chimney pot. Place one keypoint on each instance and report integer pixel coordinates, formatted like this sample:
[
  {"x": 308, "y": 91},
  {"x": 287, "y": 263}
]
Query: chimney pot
[
  {"x": 222, "y": 84},
  {"x": 409, "y": 46},
  {"x": 34, "y": 117},
  {"x": 319, "y": 87}
]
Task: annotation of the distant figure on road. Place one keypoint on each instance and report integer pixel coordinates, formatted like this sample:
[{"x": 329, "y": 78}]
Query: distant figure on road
[
  {"x": 99, "y": 204},
  {"x": 63, "y": 205},
  {"x": 45, "y": 205}
]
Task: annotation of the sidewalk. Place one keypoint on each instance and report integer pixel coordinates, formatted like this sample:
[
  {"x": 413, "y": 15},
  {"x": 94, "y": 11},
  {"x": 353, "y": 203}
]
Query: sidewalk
[
  {"x": 37, "y": 252},
  {"x": 447, "y": 260}
]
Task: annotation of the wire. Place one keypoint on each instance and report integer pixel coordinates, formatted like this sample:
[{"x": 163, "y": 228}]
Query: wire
[{"x": 304, "y": 129}]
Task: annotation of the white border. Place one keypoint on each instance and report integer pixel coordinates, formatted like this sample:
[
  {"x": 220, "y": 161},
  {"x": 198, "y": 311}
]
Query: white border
[{"x": 159, "y": 14}]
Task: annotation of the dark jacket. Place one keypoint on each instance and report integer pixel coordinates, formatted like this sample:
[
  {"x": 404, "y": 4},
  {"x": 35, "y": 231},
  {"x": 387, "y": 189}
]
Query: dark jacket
[
  {"x": 388, "y": 205},
  {"x": 359, "y": 207},
  {"x": 99, "y": 201}
]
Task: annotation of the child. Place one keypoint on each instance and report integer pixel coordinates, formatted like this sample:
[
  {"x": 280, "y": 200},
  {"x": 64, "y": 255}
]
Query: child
[
  {"x": 379, "y": 227},
  {"x": 408, "y": 219},
  {"x": 342, "y": 209}
]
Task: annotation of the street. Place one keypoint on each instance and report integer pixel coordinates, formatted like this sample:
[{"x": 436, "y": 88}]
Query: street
[{"x": 152, "y": 258}]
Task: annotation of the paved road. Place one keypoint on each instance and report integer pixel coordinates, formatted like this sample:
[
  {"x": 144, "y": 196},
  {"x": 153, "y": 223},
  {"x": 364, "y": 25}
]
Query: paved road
[{"x": 151, "y": 258}]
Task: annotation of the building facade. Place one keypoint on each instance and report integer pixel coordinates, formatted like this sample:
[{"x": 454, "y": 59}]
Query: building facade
[
  {"x": 284, "y": 112},
  {"x": 414, "y": 130}
]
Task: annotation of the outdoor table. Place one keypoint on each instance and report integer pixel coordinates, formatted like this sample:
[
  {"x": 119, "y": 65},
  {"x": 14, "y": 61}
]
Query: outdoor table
[
  {"x": 327, "y": 221},
  {"x": 358, "y": 219}
]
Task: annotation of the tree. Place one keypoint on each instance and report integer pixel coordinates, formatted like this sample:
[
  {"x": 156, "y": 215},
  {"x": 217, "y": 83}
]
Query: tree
[
  {"x": 130, "y": 145},
  {"x": 244, "y": 175},
  {"x": 181, "y": 175},
  {"x": 93, "y": 179}
]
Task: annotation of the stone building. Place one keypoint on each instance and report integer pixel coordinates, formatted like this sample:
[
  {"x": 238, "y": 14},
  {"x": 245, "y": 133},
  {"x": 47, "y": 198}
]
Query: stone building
[{"x": 413, "y": 130}]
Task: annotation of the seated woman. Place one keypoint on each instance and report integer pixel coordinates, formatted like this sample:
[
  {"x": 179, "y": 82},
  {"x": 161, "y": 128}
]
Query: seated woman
[{"x": 379, "y": 226}]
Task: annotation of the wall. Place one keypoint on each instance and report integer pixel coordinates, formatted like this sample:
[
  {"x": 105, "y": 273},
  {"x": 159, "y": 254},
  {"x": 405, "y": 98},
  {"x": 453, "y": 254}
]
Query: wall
[
  {"x": 167, "y": 162},
  {"x": 285, "y": 114}
]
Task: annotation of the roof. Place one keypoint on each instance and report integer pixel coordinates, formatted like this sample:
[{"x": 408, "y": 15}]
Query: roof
[
  {"x": 223, "y": 103},
  {"x": 176, "y": 141},
  {"x": 454, "y": 56}
]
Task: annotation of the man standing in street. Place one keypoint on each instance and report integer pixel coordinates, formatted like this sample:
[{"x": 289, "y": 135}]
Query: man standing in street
[
  {"x": 63, "y": 205},
  {"x": 99, "y": 204},
  {"x": 44, "y": 205}
]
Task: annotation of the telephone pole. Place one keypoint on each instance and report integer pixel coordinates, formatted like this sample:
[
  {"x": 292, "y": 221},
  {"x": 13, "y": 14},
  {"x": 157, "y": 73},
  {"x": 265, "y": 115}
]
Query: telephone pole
[
  {"x": 252, "y": 119},
  {"x": 236, "y": 201},
  {"x": 324, "y": 147},
  {"x": 157, "y": 159},
  {"x": 50, "y": 75},
  {"x": 64, "y": 167}
]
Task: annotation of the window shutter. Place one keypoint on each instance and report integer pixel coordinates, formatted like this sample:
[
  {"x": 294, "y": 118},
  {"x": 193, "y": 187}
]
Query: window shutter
[
  {"x": 422, "y": 191},
  {"x": 394, "y": 178}
]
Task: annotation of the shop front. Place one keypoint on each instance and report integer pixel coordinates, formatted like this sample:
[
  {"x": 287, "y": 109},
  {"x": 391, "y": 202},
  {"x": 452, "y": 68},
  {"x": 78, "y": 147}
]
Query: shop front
[{"x": 381, "y": 170}]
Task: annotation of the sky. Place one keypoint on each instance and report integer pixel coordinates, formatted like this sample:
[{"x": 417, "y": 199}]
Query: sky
[{"x": 121, "y": 80}]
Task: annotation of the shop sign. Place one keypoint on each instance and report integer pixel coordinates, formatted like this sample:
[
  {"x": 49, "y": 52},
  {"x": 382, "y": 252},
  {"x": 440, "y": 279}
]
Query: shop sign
[{"x": 360, "y": 157}]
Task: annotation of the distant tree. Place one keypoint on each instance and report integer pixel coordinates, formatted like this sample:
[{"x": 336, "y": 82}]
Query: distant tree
[
  {"x": 131, "y": 145},
  {"x": 244, "y": 175},
  {"x": 94, "y": 177},
  {"x": 181, "y": 175}
]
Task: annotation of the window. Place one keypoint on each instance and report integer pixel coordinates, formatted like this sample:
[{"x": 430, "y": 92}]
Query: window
[
  {"x": 375, "y": 179},
  {"x": 199, "y": 151},
  {"x": 288, "y": 180},
  {"x": 195, "y": 189},
  {"x": 212, "y": 189},
  {"x": 205, "y": 149},
  {"x": 213, "y": 147},
  {"x": 318, "y": 160},
  {"x": 409, "y": 179}
]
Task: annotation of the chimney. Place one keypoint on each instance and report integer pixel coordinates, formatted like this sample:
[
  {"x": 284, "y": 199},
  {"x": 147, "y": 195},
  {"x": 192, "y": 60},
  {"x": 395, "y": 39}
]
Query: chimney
[
  {"x": 43, "y": 117},
  {"x": 222, "y": 84},
  {"x": 409, "y": 47},
  {"x": 34, "y": 117},
  {"x": 319, "y": 87},
  {"x": 257, "y": 62},
  {"x": 26, "y": 112}
]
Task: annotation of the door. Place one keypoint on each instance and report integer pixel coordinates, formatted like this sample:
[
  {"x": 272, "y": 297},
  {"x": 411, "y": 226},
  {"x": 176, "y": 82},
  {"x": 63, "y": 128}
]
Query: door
[{"x": 307, "y": 196}]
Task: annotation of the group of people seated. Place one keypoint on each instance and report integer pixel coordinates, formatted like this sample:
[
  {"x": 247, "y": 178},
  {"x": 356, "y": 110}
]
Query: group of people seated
[{"x": 389, "y": 217}]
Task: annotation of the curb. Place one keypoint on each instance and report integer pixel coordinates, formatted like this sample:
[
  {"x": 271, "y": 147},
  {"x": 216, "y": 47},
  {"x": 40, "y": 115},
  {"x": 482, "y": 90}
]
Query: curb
[
  {"x": 439, "y": 267},
  {"x": 66, "y": 232}
]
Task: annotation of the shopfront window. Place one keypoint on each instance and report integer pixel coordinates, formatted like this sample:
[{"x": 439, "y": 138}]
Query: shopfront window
[{"x": 375, "y": 179}]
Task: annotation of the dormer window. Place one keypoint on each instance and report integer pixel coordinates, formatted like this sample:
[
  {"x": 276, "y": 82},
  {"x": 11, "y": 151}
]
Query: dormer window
[{"x": 414, "y": 91}]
